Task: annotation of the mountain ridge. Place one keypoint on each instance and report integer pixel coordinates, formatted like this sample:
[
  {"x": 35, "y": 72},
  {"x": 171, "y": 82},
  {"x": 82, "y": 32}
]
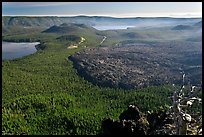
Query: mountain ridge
[{"x": 48, "y": 21}]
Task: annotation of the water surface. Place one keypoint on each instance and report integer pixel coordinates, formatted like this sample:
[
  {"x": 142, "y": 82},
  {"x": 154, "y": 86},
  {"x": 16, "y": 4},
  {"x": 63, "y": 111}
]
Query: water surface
[
  {"x": 11, "y": 50},
  {"x": 112, "y": 27}
]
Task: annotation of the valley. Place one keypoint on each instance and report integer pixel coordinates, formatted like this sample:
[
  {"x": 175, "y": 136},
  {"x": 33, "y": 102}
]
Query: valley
[{"x": 80, "y": 75}]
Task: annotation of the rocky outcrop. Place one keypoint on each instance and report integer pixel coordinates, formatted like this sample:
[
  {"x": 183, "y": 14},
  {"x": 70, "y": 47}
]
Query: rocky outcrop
[{"x": 133, "y": 122}]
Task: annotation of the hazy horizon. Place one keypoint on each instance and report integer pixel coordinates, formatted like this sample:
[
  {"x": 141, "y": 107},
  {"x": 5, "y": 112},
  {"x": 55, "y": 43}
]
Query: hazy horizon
[
  {"x": 93, "y": 16},
  {"x": 107, "y": 9}
]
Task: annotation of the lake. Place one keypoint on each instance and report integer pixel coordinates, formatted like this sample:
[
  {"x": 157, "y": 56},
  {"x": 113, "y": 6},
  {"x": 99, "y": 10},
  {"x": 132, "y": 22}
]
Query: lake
[
  {"x": 112, "y": 27},
  {"x": 11, "y": 50}
]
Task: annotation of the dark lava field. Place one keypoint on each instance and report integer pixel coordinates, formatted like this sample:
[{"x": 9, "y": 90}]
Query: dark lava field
[{"x": 136, "y": 65}]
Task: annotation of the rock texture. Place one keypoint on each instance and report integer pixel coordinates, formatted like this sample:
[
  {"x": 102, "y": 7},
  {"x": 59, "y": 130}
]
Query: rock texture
[
  {"x": 136, "y": 65},
  {"x": 133, "y": 122}
]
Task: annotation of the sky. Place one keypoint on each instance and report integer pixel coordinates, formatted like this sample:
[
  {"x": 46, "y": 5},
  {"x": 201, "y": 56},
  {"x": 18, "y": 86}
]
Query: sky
[{"x": 113, "y": 9}]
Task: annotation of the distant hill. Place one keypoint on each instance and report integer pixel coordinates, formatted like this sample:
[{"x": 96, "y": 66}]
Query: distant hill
[
  {"x": 134, "y": 35},
  {"x": 49, "y": 21},
  {"x": 30, "y": 21},
  {"x": 69, "y": 38},
  {"x": 68, "y": 28},
  {"x": 198, "y": 24},
  {"x": 182, "y": 27}
]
